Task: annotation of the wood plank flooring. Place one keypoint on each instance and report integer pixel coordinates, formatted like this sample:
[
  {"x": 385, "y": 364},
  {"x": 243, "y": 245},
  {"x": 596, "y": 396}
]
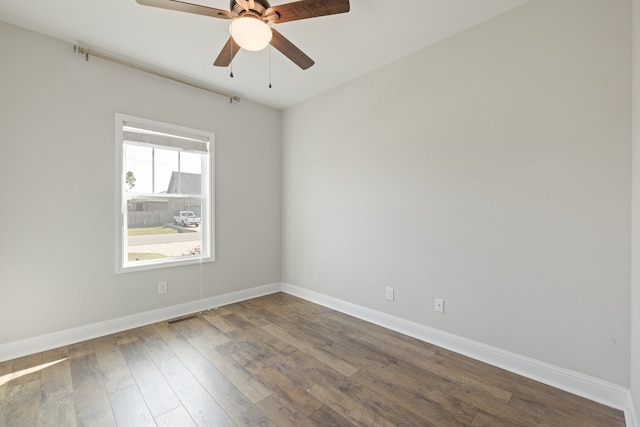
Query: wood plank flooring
[{"x": 276, "y": 361}]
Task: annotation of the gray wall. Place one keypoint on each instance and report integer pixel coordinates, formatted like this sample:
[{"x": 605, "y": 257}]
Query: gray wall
[
  {"x": 491, "y": 170},
  {"x": 57, "y": 130},
  {"x": 635, "y": 283}
]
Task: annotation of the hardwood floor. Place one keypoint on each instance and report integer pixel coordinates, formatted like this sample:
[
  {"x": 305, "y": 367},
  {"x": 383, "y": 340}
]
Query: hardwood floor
[{"x": 276, "y": 361}]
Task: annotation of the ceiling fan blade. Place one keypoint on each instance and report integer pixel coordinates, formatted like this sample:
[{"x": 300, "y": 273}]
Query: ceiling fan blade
[
  {"x": 227, "y": 53},
  {"x": 290, "y": 50},
  {"x": 307, "y": 9},
  {"x": 187, "y": 7}
]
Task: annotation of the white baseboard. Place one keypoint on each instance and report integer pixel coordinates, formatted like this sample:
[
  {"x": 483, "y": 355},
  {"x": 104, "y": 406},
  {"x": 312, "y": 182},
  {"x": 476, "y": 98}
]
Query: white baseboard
[
  {"x": 57, "y": 339},
  {"x": 630, "y": 413},
  {"x": 591, "y": 388}
]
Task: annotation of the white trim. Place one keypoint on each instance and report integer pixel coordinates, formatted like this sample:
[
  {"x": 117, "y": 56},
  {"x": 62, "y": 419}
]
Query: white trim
[
  {"x": 586, "y": 386},
  {"x": 630, "y": 413},
  {"x": 57, "y": 339}
]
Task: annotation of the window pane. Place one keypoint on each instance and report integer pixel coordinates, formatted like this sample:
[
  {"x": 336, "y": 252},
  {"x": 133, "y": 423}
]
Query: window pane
[
  {"x": 138, "y": 169},
  {"x": 190, "y": 162},
  {"x": 185, "y": 183},
  {"x": 163, "y": 228},
  {"x": 165, "y": 164}
]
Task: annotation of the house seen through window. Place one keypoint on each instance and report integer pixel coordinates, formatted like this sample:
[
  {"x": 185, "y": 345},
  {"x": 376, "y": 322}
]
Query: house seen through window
[{"x": 165, "y": 193}]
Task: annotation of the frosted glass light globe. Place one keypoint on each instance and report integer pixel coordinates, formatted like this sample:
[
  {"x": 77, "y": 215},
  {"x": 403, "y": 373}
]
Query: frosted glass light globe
[{"x": 250, "y": 33}]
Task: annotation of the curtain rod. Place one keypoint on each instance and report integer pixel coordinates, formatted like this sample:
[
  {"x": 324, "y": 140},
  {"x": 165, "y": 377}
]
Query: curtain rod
[{"x": 85, "y": 51}]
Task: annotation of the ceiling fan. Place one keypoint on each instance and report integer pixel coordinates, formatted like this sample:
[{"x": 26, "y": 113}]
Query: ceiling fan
[{"x": 249, "y": 29}]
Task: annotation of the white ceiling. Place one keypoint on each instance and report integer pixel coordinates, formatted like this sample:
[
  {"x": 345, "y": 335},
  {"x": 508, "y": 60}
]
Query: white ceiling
[{"x": 345, "y": 46}]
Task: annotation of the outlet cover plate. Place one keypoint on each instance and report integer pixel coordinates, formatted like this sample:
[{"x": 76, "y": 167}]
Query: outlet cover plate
[
  {"x": 389, "y": 293},
  {"x": 439, "y": 305},
  {"x": 162, "y": 287}
]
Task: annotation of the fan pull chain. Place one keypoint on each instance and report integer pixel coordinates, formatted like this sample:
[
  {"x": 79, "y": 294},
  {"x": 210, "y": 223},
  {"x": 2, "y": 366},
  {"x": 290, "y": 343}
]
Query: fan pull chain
[
  {"x": 231, "y": 49},
  {"x": 270, "y": 66},
  {"x": 231, "y": 41}
]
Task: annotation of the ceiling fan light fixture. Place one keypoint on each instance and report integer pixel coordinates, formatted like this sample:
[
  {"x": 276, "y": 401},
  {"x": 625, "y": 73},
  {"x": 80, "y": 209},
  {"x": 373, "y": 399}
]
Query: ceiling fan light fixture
[{"x": 250, "y": 33}]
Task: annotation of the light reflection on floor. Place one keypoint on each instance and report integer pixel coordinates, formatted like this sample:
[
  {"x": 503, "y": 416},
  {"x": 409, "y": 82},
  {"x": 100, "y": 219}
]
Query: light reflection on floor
[{"x": 12, "y": 376}]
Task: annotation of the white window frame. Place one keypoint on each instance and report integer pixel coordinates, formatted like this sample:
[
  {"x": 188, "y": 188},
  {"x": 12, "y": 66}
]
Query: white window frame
[{"x": 123, "y": 265}]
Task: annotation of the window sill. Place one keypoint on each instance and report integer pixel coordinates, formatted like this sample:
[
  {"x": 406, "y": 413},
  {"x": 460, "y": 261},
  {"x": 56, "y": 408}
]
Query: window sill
[{"x": 162, "y": 263}]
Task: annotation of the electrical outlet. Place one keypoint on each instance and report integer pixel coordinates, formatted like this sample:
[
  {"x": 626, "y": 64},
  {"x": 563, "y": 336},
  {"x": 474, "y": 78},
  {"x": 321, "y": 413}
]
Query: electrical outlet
[
  {"x": 389, "y": 293},
  {"x": 162, "y": 287},
  {"x": 439, "y": 305}
]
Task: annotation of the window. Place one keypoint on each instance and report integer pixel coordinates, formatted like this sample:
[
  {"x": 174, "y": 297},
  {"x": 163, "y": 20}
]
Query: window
[{"x": 164, "y": 191}]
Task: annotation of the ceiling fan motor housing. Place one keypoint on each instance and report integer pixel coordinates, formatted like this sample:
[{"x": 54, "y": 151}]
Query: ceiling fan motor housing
[{"x": 257, "y": 9}]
